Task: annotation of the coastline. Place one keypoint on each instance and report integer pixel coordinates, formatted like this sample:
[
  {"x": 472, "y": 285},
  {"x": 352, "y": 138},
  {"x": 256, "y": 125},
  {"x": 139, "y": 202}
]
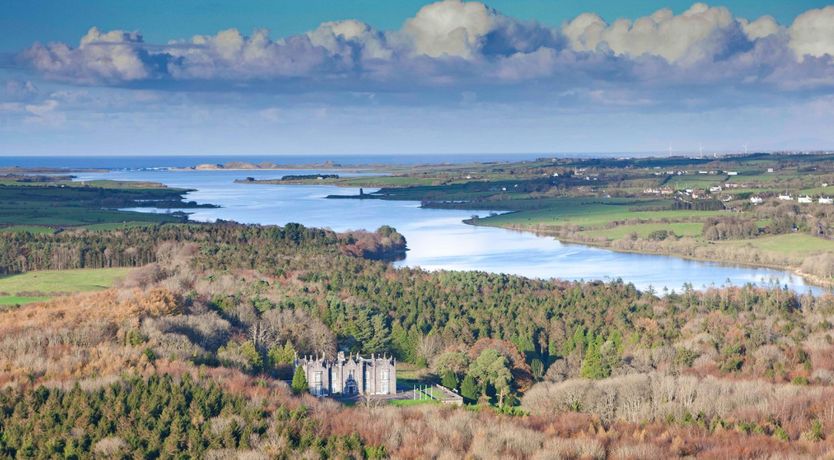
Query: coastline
[{"x": 810, "y": 278}]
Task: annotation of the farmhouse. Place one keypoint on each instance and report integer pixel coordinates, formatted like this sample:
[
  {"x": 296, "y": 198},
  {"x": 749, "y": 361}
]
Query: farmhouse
[{"x": 351, "y": 375}]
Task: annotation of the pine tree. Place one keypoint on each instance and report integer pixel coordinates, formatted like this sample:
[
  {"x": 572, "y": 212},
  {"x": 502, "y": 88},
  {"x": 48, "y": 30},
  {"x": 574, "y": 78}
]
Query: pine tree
[
  {"x": 402, "y": 343},
  {"x": 380, "y": 341},
  {"x": 450, "y": 380},
  {"x": 361, "y": 329},
  {"x": 299, "y": 381},
  {"x": 469, "y": 388},
  {"x": 593, "y": 365}
]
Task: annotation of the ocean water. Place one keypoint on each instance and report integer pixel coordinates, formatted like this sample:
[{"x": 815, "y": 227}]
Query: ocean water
[
  {"x": 180, "y": 161},
  {"x": 438, "y": 239}
]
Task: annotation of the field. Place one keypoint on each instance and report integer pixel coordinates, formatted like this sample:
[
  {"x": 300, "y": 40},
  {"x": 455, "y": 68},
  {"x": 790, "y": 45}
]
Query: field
[
  {"x": 791, "y": 244},
  {"x": 25, "y": 207},
  {"x": 643, "y": 230},
  {"x": 593, "y": 212},
  {"x": 40, "y": 285}
]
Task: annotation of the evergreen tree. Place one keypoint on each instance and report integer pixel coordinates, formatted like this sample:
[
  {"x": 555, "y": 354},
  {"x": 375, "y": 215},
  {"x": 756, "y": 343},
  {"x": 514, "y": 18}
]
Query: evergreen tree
[
  {"x": 450, "y": 380},
  {"x": 469, "y": 388},
  {"x": 593, "y": 365},
  {"x": 402, "y": 343},
  {"x": 279, "y": 356},
  {"x": 362, "y": 329},
  {"x": 537, "y": 368},
  {"x": 253, "y": 358},
  {"x": 299, "y": 381},
  {"x": 576, "y": 342},
  {"x": 490, "y": 369},
  {"x": 380, "y": 340}
]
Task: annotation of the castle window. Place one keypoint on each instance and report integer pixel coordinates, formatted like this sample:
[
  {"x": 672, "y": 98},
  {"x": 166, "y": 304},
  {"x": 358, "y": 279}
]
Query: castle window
[{"x": 317, "y": 383}]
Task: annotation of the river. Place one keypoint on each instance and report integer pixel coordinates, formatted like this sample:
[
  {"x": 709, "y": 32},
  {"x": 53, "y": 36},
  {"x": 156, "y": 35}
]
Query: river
[{"x": 438, "y": 239}]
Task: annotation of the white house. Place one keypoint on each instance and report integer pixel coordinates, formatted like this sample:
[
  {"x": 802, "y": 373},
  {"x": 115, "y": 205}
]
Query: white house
[
  {"x": 786, "y": 197},
  {"x": 825, "y": 200},
  {"x": 805, "y": 199},
  {"x": 715, "y": 189},
  {"x": 732, "y": 173},
  {"x": 756, "y": 200}
]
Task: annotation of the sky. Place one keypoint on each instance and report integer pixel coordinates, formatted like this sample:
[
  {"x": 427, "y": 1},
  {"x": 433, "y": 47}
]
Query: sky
[{"x": 354, "y": 76}]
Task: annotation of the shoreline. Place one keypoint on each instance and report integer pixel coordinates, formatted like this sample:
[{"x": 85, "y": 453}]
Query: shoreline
[{"x": 811, "y": 279}]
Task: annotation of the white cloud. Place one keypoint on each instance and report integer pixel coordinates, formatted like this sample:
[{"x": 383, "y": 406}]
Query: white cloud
[
  {"x": 812, "y": 33},
  {"x": 450, "y": 28},
  {"x": 763, "y": 27},
  {"x": 463, "y": 45},
  {"x": 698, "y": 33},
  {"x": 110, "y": 56}
]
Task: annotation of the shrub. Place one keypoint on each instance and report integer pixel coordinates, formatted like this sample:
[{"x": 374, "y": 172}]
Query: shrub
[
  {"x": 450, "y": 380},
  {"x": 299, "y": 381},
  {"x": 469, "y": 388}
]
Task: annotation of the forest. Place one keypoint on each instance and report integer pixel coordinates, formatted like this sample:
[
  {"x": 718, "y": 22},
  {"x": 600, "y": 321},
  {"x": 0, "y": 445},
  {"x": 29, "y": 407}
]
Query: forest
[{"x": 574, "y": 368}]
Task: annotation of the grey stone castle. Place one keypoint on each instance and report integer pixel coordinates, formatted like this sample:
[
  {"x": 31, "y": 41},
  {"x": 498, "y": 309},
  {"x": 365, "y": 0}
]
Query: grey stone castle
[{"x": 351, "y": 375}]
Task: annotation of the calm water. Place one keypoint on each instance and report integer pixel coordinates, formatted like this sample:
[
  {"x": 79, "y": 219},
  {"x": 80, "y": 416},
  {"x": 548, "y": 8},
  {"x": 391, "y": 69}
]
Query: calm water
[
  {"x": 182, "y": 161},
  {"x": 437, "y": 239}
]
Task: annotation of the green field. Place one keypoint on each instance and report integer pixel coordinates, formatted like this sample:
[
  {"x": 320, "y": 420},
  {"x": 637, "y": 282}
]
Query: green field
[
  {"x": 643, "y": 230},
  {"x": 27, "y": 228},
  {"x": 6, "y": 300},
  {"x": 596, "y": 212},
  {"x": 794, "y": 243},
  {"x": 413, "y": 402},
  {"x": 30, "y": 205},
  {"x": 40, "y": 285}
]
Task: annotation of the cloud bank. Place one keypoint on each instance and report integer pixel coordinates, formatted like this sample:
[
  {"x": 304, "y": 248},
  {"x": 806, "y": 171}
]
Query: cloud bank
[{"x": 455, "y": 43}]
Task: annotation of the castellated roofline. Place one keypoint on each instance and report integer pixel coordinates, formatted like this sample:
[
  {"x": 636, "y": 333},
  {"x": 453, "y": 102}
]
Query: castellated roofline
[{"x": 342, "y": 358}]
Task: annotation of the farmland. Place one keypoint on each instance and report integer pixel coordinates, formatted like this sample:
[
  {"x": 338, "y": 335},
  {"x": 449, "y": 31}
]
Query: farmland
[{"x": 41, "y": 285}]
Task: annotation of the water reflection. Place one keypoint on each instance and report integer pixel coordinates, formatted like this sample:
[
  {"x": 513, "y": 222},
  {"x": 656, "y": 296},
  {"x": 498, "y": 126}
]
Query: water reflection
[{"x": 437, "y": 239}]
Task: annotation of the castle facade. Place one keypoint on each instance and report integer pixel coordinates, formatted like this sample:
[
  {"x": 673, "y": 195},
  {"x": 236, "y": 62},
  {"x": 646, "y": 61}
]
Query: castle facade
[{"x": 350, "y": 375}]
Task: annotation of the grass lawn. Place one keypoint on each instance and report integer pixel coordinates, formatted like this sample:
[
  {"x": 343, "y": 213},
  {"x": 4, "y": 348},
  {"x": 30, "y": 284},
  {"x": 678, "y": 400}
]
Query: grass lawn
[
  {"x": 696, "y": 181},
  {"x": 413, "y": 402},
  {"x": 596, "y": 212},
  {"x": 621, "y": 231},
  {"x": 19, "y": 300},
  {"x": 38, "y": 285},
  {"x": 27, "y": 228},
  {"x": 794, "y": 243}
]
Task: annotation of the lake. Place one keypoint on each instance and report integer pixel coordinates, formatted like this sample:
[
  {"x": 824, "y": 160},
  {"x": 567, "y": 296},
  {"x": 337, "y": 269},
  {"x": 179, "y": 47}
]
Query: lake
[{"x": 438, "y": 239}]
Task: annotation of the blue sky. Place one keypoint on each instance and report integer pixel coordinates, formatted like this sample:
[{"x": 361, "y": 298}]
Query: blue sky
[
  {"x": 342, "y": 76},
  {"x": 24, "y": 22}
]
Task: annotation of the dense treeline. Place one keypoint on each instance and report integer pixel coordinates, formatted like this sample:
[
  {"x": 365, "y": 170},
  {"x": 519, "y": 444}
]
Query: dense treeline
[
  {"x": 236, "y": 245},
  {"x": 729, "y": 228},
  {"x": 158, "y": 417}
]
